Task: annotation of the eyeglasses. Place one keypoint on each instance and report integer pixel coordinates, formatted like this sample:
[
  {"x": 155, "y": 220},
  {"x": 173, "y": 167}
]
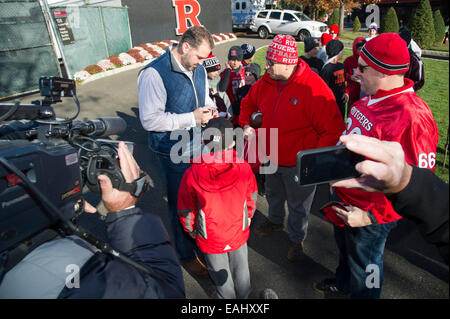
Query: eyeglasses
[
  {"x": 361, "y": 67},
  {"x": 270, "y": 62}
]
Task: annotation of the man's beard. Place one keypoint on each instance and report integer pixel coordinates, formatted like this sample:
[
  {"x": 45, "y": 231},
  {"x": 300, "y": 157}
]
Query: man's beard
[{"x": 185, "y": 62}]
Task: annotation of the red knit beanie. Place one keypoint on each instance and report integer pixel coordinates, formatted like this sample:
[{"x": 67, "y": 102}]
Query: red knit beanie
[
  {"x": 283, "y": 49},
  {"x": 386, "y": 53},
  {"x": 334, "y": 28},
  {"x": 325, "y": 38}
]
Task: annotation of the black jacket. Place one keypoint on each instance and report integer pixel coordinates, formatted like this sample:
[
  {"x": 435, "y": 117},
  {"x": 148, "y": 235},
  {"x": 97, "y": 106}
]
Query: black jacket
[
  {"x": 143, "y": 238},
  {"x": 425, "y": 201}
]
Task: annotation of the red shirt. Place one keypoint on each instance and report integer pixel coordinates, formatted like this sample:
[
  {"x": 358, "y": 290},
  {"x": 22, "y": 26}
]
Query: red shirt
[{"x": 398, "y": 115}]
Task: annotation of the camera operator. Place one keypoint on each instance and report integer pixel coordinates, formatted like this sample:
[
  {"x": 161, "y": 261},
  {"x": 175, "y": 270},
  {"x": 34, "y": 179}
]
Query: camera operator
[{"x": 141, "y": 236}]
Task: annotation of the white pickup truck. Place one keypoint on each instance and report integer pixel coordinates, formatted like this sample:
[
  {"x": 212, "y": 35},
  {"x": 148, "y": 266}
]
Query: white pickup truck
[{"x": 291, "y": 22}]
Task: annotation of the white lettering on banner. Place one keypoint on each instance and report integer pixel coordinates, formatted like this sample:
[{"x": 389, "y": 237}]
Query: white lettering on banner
[
  {"x": 73, "y": 280},
  {"x": 373, "y": 279}
]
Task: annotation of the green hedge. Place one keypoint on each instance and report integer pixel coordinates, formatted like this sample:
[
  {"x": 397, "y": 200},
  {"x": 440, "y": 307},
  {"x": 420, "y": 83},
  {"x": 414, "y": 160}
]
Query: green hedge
[
  {"x": 421, "y": 25},
  {"x": 389, "y": 22},
  {"x": 439, "y": 26},
  {"x": 356, "y": 24}
]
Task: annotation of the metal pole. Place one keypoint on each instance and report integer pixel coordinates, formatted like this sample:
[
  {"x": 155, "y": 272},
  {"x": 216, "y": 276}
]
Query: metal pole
[{"x": 57, "y": 44}]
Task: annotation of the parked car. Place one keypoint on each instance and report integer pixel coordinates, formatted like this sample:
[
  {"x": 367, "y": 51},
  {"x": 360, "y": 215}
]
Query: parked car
[{"x": 295, "y": 23}]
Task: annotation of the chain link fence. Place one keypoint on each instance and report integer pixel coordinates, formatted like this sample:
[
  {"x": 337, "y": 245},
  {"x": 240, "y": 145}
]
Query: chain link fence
[
  {"x": 98, "y": 33},
  {"x": 26, "y": 51}
]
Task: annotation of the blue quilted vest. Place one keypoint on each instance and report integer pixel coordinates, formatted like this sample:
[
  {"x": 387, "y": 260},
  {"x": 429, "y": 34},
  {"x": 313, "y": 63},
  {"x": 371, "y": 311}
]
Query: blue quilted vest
[{"x": 181, "y": 96}]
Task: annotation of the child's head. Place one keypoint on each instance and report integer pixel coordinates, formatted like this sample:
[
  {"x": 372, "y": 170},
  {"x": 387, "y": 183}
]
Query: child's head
[
  {"x": 235, "y": 56},
  {"x": 359, "y": 46},
  {"x": 252, "y": 73},
  {"x": 335, "y": 48},
  {"x": 218, "y": 134},
  {"x": 334, "y": 30},
  {"x": 311, "y": 46},
  {"x": 373, "y": 29},
  {"x": 212, "y": 66},
  {"x": 248, "y": 52}
]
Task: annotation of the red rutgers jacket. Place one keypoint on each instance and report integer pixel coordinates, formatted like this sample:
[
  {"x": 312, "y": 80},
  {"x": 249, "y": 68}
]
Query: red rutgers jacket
[
  {"x": 398, "y": 115},
  {"x": 303, "y": 110},
  {"x": 215, "y": 201}
]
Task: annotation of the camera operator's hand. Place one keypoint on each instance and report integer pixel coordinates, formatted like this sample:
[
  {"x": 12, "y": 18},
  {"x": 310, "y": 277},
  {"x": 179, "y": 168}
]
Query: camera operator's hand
[
  {"x": 386, "y": 171},
  {"x": 113, "y": 199}
]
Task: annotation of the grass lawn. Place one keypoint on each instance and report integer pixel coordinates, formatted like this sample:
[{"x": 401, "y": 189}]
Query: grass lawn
[
  {"x": 349, "y": 36},
  {"x": 435, "y": 93}
]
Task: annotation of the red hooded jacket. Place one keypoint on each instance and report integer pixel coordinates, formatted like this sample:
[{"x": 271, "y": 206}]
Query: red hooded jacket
[
  {"x": 303, "y": 110},
  {"x": 350, "y": 66},
  {"x": 217, "y": 196}
]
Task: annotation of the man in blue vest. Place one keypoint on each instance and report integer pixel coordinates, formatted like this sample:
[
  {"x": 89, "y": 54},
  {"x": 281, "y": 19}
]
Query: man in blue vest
[{"x": 174, "y": 98}]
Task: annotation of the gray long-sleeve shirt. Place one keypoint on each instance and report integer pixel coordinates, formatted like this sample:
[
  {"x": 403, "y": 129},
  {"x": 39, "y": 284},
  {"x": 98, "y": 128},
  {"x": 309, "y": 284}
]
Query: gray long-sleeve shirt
[{"x": 152, "y": 102}]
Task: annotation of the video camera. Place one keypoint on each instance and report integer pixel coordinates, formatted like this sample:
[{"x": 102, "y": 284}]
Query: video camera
[{"x": 45, "y": 162}]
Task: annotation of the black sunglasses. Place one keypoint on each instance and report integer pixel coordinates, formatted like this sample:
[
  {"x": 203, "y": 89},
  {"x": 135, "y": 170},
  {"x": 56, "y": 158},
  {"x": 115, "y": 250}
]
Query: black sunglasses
[
  {"x": 270, "y": 62},
  {"x": 362, "y": 67}
]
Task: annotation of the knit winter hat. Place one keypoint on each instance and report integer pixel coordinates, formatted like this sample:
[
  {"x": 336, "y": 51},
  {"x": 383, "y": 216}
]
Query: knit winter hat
[
  {"x": 235, "y": 53},
  {"x": 248, "y": 50},
  {"x": 325, "y": 38},
  {"x": 373, "y": 26},
  {"x": 405, "y": 34},
  {"x": 217, "y": 133},
  {"x": 254, "y": 69},
  {"x": 283, "y": 49},
  {"x": 387, "y": 53},
  {"x": 310, "y": 43},
  {"x": 211, "y": 63},
  {"x": 334, "y": 28},
  {"x": 334, "y": 47}
]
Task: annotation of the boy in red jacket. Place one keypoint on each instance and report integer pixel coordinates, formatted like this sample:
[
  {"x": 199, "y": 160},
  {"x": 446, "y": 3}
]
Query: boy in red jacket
[{"x": 216, "y": 201}]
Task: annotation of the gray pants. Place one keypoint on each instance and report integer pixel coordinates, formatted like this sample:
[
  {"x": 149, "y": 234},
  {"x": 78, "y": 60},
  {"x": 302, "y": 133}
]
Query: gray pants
[
  {"x": 281, "y": 187},
  {"x": 230, "y": 273}
]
